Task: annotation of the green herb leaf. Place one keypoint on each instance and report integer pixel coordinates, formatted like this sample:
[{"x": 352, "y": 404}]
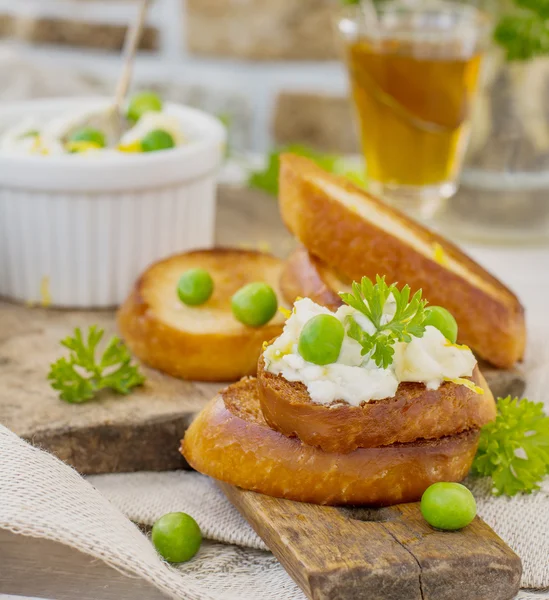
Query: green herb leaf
[
  {"x": 80, "y": 376},
  {"x": 523, "y": 36},
  {"x": 514, "y": 449},
  {"x": 266, "y": 179},
  {"x": 538, "y": 7},
  {"x": 370, "y": 299}
]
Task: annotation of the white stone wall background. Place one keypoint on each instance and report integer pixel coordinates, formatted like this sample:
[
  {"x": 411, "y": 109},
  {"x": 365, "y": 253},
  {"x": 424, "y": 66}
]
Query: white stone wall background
[{"x": 245, "y": 89}]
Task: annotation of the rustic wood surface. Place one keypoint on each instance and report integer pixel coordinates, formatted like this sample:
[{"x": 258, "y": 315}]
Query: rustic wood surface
[
  {"x": 114, "y": 434},
  {"x": 41, "y": 568},
  {"x": 140, "y": 431},
  {"x": 380, "y": 554}
]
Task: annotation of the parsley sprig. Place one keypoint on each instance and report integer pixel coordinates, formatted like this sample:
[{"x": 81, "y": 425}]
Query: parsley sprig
[
  {"x": 370, "y": 299},
  {"x": 514, "y": 449},
  {"x": 82, "y": 375}
]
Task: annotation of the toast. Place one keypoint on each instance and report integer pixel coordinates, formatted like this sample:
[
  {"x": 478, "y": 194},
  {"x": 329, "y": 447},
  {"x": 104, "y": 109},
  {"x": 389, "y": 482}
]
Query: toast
[
  {"x": 304, "y": 276},
  {"x": 357, "y": 235},
  {"x": 413, "y": 413},
  {"x": 202, "y": 342},
  {"x": 230, "y": 441}
]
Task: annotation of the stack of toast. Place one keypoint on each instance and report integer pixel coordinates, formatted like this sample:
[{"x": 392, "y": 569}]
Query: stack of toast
[
  {"x": 231, "y": 441},
  {"x": 268, "y": 435}
]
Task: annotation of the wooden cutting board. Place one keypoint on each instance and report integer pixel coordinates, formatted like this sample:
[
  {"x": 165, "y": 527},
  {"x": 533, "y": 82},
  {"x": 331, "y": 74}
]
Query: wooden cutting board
[
  {"x": 140, "y": 431},
  {"x": 380, "y": 554}
]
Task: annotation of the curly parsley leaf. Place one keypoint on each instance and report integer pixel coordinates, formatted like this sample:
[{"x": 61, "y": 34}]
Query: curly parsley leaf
[
  {"x": 370, "y": 299},
  {"x": 514, "y": 449},
  {"x": 266, "y": 179},
  {"x": 81, "y": 375}
]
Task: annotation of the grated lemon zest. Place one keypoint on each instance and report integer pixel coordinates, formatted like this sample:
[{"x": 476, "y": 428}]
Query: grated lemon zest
[
  {"x": 284, "y": 351},
  {"x": 287, "y": 313},
  {"x": 467, "y": 383},
  {"x": 131, "y": 147},
  {"x": 38, "y": 146},
  {"x": 265, "y": 345},
  {"x": 45, "y": 294},
  {"x": 82, "y": 146},
  {"x": 449, "y": 344},
  {"x": 439, "y": 254}
]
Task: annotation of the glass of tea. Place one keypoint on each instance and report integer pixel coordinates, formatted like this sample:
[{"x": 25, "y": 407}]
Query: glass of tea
[{"x": 414, "y": 70}]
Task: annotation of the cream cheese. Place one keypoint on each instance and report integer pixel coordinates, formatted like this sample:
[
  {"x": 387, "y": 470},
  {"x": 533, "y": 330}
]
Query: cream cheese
[
  {"x": 151, "y": 121},
  {"x": 48, "y": 137},
  {"x": 354, "y": 378}
]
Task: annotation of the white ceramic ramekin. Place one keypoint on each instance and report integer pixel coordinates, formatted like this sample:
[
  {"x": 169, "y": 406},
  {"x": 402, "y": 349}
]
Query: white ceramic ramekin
[{"x": 76, "y": 230}]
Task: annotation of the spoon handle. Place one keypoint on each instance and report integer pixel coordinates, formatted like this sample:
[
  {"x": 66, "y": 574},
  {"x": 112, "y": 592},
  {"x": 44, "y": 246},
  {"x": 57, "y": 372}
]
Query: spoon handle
[{"x": 131, "y": 43}]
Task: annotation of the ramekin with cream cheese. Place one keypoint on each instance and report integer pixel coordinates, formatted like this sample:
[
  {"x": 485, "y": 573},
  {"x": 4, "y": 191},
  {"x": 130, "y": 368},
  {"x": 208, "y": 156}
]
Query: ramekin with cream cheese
[
  {"x": 354, "y": 378},
  {"x": 77, "y": 229}
]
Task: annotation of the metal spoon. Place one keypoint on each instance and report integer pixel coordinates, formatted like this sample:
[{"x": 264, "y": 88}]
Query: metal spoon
[
  {"x": 112, "y": 120},
  {"x": 117, "y": 120}
]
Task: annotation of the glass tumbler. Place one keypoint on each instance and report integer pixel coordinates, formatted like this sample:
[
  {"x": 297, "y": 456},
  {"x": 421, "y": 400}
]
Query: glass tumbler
[{"x": 414, "y": 73}]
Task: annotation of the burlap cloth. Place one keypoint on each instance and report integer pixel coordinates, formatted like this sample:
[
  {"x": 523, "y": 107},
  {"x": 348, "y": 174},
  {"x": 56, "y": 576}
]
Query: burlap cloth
[{"x": 42, "y": 497}]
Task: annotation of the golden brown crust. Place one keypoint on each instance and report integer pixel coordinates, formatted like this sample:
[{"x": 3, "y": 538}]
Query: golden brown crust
[
  {"x": 230, "y": 441},
  {"x": 413, "y": 413},
  {"x": 304, "y": 276},
  {"x": 350, "y": 238},
  {"x": 206, "y": 342}
]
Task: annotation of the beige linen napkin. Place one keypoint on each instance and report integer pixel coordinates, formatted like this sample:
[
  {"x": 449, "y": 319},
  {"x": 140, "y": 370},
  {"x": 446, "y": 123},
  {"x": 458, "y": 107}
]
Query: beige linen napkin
[{"x": 42, "y": 497}]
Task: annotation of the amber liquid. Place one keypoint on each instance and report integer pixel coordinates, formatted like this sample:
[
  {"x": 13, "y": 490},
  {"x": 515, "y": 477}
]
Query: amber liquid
[{"x": 414, "y": 109}]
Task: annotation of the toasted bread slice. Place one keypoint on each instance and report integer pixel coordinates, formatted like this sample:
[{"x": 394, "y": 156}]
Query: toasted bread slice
[
  {"x": 305, "y": 276},
  {"x": 413, "y": 413},
  {"x": 199, "y": 342},
  {"x": 356, "y": 234},
  {"x": 230, "y": 441}
]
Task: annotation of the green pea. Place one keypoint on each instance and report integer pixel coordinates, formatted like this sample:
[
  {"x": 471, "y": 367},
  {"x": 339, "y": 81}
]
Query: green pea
[
  {"x": 321, "y": 339},
  {"x": 195, "y": 287},
  {"x": 443, "y": 320},
  {"x": 254, "y": 304},
  {"x": 158, "y": 139},
  {"x": 141, "y": 103},
  {"x": 448, "y": 506},
  {"x": 89, "y": 134},
  {"x": 176, "y": 537}
]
